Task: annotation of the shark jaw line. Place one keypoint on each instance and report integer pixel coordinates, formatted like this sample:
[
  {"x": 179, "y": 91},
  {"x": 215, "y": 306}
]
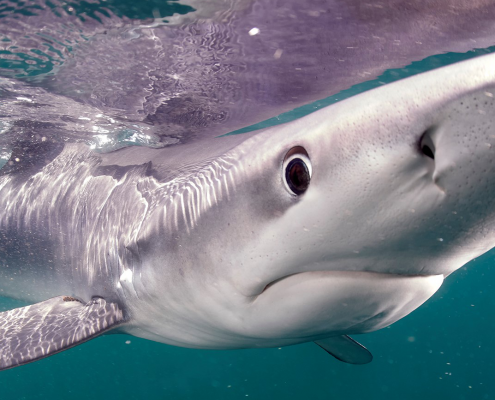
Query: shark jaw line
[
  {"x": 320, "y": 304},
  {"x": 296, "y": 275}
]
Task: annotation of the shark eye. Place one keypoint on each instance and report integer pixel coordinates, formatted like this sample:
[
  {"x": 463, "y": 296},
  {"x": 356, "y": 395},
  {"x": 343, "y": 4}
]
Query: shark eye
[{"x": 297, "y": 170}]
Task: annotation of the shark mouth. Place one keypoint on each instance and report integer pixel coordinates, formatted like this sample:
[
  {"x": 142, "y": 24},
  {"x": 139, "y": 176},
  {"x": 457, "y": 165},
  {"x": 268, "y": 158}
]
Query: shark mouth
[{"x": 319, "y": 303}]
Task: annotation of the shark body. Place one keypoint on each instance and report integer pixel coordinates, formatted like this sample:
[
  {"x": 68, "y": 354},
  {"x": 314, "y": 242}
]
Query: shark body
[{"x": 339, "y": 223}]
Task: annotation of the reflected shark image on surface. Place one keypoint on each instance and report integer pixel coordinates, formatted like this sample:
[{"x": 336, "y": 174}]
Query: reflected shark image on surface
[
  {"x": 339, "y": 223},
  {"x": 204, "y": 68}
]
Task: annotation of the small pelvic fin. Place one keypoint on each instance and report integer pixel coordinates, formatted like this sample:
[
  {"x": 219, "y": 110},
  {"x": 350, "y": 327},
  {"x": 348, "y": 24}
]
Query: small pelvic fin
[
  {"x": 346, "y": 349},
  {"x": 40, "y": 330}
]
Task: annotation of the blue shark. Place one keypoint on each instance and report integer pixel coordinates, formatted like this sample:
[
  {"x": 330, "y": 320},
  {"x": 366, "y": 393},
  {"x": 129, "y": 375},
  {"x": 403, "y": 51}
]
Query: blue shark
[{"x": 336, "y": 224}]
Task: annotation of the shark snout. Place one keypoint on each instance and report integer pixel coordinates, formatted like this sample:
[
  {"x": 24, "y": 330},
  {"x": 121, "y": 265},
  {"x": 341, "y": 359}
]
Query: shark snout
[{"x": 460, "y": 147}]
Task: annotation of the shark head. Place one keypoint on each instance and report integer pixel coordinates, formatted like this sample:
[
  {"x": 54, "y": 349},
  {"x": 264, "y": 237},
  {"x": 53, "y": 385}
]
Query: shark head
[{"x": 341, "y": 222}]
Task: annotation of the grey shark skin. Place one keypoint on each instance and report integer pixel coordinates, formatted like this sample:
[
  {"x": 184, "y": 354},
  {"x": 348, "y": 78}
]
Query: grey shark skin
[{"x": 219, "y": 244}]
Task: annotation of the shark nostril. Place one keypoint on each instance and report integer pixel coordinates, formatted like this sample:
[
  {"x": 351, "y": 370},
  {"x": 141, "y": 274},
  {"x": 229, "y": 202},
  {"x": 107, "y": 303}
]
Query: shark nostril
[
  {"x": 427, "y": 151},
  {"x": 426, "y": 145}
]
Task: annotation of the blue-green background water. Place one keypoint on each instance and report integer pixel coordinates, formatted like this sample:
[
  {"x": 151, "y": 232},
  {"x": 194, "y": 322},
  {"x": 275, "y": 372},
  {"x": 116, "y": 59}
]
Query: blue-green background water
[{"x": 444, "y": 350}]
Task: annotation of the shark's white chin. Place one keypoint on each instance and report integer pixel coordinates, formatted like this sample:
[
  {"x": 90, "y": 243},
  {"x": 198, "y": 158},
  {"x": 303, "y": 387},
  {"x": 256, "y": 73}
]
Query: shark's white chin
[
  {"x": 307, "y": 306},
  {"x": 324, "y": 303}
]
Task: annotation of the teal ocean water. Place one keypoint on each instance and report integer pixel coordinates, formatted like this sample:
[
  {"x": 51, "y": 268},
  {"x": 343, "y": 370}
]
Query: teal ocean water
[{"x": 443, "y": 350}]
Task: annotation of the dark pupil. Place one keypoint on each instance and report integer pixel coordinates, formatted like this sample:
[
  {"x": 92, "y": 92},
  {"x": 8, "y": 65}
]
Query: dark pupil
[{"x": 297, "y": 176}]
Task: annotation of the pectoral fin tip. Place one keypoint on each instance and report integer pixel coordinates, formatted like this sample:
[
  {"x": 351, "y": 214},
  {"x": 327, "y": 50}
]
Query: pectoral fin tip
[{"x": 346, "y": 349}]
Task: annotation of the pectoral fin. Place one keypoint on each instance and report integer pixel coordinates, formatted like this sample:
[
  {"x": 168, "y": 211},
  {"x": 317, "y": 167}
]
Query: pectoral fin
[
  {"x": 40, "y": 330},
  {"x": 346, "y": 349}
]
